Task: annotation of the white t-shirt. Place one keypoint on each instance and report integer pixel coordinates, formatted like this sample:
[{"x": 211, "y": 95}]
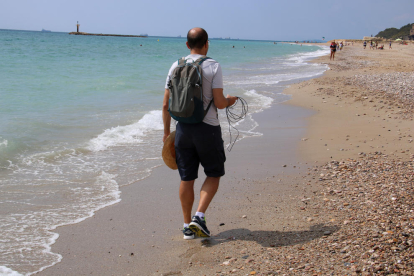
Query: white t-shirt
[{"x": 212, "y": 78}]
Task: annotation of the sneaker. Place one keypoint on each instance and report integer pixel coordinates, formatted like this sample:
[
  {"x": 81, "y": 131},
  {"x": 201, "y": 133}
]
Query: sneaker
[
  {"x": 188, "y": 234},
  {"x": 199, "y": 227}
]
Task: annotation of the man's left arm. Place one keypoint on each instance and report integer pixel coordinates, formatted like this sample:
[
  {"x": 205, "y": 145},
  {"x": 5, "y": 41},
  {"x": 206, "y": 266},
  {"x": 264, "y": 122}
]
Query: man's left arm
[
  {"x": 217, "y": 86},
  {"x": 166, "y": 117}
]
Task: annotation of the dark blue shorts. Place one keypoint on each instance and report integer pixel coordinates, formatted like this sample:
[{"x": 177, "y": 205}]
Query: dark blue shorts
[{"x": 197, "y": 144}]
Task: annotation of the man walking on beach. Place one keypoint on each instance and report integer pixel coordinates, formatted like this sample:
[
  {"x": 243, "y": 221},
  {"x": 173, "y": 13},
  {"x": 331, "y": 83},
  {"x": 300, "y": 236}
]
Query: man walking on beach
[{"x": 199, "y": 143}]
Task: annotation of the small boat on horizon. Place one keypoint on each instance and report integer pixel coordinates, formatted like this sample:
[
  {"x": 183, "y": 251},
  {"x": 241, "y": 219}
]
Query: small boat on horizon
[{"x": 46, "y": 31}]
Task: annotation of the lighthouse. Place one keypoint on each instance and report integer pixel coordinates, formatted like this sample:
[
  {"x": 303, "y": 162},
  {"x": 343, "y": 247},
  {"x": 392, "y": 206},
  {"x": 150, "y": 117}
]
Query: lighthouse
[{"x": 77, "y": 26}]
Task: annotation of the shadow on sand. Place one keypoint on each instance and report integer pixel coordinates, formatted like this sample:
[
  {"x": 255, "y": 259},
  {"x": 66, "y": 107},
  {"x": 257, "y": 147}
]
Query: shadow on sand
[
  {"x": 264, "y": 238},
  {"x": 272, "y": 238}
]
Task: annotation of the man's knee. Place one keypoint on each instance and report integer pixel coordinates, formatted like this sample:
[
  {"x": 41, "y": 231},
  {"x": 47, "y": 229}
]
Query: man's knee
[
  {"x": 212, "y": 180},
  {"x": 187, "y": 183}
]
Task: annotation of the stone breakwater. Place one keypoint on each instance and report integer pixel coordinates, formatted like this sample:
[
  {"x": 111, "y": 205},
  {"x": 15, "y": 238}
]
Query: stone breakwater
[{"x": 82, "y": 33}]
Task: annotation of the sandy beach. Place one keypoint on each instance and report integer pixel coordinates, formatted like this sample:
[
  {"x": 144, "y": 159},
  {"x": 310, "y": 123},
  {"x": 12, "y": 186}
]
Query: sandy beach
[{"x": 327, "y": 189}]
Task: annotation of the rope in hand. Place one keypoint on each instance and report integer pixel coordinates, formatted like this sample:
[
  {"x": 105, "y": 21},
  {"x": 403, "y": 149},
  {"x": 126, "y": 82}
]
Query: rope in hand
[{"x": 233, "y": 118}]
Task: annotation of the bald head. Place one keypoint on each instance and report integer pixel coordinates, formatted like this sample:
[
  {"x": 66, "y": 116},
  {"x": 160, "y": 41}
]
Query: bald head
[{"x": 197, "y": 38}]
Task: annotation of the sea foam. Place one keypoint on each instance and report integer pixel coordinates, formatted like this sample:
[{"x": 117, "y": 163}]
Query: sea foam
[
  {"x": 129, "y": 134},
  {"x": 302, "y": 58},
  {"x": 3, "y": 143},
  {"x": 5, "y": 271},
  {"x": 259, "y": 100}
]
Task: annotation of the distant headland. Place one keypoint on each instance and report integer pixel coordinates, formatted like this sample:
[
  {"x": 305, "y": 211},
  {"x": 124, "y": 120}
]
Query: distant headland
[{"x": 82, "y": 33}]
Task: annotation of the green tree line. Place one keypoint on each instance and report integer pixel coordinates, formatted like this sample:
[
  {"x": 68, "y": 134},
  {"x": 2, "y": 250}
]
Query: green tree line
[{"x": 394, "y": 33}]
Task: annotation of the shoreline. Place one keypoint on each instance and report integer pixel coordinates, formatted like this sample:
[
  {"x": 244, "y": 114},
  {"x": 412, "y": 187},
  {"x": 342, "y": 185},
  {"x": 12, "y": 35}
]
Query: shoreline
[
  {"x": 25, "y": 264},
  {"x": 293, "y": 210},
  {"x": 102, "y": 250},
  {"x": 114, "y": 241}
]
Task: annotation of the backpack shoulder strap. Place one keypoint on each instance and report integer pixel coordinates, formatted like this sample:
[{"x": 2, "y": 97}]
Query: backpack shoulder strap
[
  {"x": 181, "y": 61},
  {"x": 201, "y": 59},
  {"x": 208, "y": 107}
]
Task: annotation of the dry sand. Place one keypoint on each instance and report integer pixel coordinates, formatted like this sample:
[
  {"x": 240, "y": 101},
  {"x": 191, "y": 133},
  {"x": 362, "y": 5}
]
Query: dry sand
[{"x": 330, "y": 193}]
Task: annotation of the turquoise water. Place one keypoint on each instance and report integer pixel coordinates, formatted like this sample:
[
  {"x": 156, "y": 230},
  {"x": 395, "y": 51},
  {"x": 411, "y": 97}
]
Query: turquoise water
[{"x": 80, "y": 116}]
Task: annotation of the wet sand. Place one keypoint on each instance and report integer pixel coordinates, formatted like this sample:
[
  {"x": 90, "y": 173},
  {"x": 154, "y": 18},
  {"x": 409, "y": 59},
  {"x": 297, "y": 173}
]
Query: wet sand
[
  {"x": 141, "y": 235},
  {"x": 298, "y": 200}
]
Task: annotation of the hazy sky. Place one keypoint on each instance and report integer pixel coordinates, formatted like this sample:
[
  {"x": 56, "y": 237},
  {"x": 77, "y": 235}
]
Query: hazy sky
[{"x": 244, "y": 19}]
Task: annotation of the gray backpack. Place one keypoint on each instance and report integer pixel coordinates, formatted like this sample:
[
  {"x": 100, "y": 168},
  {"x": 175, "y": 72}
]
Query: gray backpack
[{"x": 186, "y": 92}]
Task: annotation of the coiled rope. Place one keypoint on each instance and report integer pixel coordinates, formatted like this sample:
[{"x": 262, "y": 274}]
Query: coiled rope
[{"x": 233, "y": 118}]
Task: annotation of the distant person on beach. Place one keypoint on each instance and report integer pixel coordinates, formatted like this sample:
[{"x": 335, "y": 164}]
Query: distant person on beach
[
  {"x": 365, "y": 44},
  {"x": 390, "y": 45},
  {"x": 199, "y": 143},
  {"x": 333, "y": 50}
]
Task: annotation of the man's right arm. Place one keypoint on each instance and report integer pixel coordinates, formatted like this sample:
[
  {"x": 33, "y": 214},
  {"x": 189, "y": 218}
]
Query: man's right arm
[
  {"x": 166, "y": 117},
  {"x": 220, "y": 101}
]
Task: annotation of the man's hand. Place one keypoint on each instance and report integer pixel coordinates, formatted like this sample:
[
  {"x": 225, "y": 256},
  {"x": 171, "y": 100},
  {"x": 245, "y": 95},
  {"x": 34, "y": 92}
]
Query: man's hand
[
  {"x": 165, "y": 137},
  {"x": 231, "y": 100},
  {"x": 220, "y": 101}
]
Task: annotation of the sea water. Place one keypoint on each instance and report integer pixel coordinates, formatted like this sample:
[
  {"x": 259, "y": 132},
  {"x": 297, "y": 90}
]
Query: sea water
[{"x": 80, "y": 117}]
